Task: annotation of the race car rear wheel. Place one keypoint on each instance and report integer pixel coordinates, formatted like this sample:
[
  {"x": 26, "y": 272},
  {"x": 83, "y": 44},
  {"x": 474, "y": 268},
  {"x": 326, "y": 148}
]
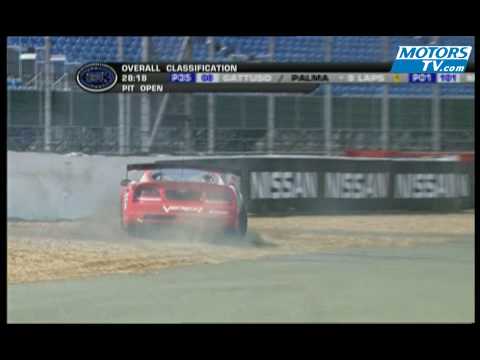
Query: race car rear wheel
[
  {"x": 130, "y": 229},
  {"x": 241, "y": 229},
  {"x": 242, "y": 223}
]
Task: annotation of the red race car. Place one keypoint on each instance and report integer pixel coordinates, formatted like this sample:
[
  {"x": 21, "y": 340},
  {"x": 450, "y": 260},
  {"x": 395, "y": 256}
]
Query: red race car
[{"x": 197, "y": 197}]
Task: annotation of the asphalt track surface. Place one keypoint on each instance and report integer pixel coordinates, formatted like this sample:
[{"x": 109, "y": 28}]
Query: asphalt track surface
[{"x": 414, "y": 284}]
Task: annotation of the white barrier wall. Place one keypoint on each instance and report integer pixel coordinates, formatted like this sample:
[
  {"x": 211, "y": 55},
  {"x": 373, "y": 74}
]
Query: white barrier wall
[{"x": 52, "y": 186}]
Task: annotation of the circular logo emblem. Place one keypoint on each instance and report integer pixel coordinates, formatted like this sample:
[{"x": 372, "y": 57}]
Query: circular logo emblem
[{"x": 96, "y": 77}]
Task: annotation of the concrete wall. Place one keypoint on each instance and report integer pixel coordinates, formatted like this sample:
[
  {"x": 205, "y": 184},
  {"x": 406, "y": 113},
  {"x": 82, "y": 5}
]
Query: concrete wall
[{"x": 52, "y": 186}]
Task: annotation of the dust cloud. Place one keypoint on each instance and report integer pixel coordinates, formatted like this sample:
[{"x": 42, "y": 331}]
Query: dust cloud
[{"x": 97, "y": 245}]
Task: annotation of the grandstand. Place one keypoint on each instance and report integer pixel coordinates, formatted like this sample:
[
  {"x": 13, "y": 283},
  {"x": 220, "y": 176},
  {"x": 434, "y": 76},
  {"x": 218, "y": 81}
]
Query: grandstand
[{"x": 287, "y": 48}]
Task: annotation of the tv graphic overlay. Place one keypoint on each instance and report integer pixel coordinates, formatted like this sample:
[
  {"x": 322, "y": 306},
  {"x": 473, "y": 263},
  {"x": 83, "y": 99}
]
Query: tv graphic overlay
[
  {"x": 431, "y": 59},
  {"x": 154, "y": 78},
  {"x": 96, "y": 77}
]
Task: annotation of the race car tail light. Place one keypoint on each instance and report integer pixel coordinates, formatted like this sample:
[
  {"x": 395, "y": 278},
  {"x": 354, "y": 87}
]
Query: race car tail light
[{"x": 146, "y": 193}]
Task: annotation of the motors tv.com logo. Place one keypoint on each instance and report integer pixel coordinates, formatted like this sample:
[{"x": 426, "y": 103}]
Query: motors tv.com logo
[{"x": 431, "y": 59}]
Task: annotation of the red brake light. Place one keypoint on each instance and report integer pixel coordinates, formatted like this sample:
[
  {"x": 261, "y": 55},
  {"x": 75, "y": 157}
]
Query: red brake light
[{"x": 146, "y": 192}]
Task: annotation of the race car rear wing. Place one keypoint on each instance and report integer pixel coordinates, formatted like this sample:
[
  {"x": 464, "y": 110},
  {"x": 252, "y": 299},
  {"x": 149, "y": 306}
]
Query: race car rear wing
[{"x": 175, "y": 164}]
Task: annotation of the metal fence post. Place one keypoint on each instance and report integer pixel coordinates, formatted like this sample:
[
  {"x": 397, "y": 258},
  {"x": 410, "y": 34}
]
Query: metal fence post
[
  {"x": 211, "y": 102},
  {"x": 101, "y": 122},
  {"x": 121, "y": 104},
  {"x": 48, "y": 97},
  {"x": 436, "y": 138},
  {"x": 145, "y": 103},
  {"x": 385, "y": 126},
  {"x": 270, "y": 123},
  {"x": 70, "y": 108},
  {"x": 40, "y": 108},
  {"x": 271, "y": 104},
  {"x": 327, "y": 102},
  {"x": 188, "y": 54},
  {"x": 9, "y": 108},
  {"x": 128, "y": 123},
  {"x": 211, "y": 123},
  {"x": 327, "y": 118},
  {"x": 385, "y": 114}
]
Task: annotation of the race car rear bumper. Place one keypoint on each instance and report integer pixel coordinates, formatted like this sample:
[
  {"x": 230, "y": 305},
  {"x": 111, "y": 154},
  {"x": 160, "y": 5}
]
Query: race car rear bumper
[{"x": 215, "y": 220}]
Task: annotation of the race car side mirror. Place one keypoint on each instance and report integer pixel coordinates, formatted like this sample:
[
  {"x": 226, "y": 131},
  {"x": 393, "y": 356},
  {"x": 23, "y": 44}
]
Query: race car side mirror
[{"x": 125, "y": 182}]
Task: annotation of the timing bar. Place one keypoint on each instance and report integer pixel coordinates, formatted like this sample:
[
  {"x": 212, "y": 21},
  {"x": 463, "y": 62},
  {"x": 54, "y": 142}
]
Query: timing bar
[{"x": 270, "y": 67}]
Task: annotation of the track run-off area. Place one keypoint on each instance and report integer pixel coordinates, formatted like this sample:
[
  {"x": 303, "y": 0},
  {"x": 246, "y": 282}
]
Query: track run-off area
[{"x": 331, "y": 268}]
